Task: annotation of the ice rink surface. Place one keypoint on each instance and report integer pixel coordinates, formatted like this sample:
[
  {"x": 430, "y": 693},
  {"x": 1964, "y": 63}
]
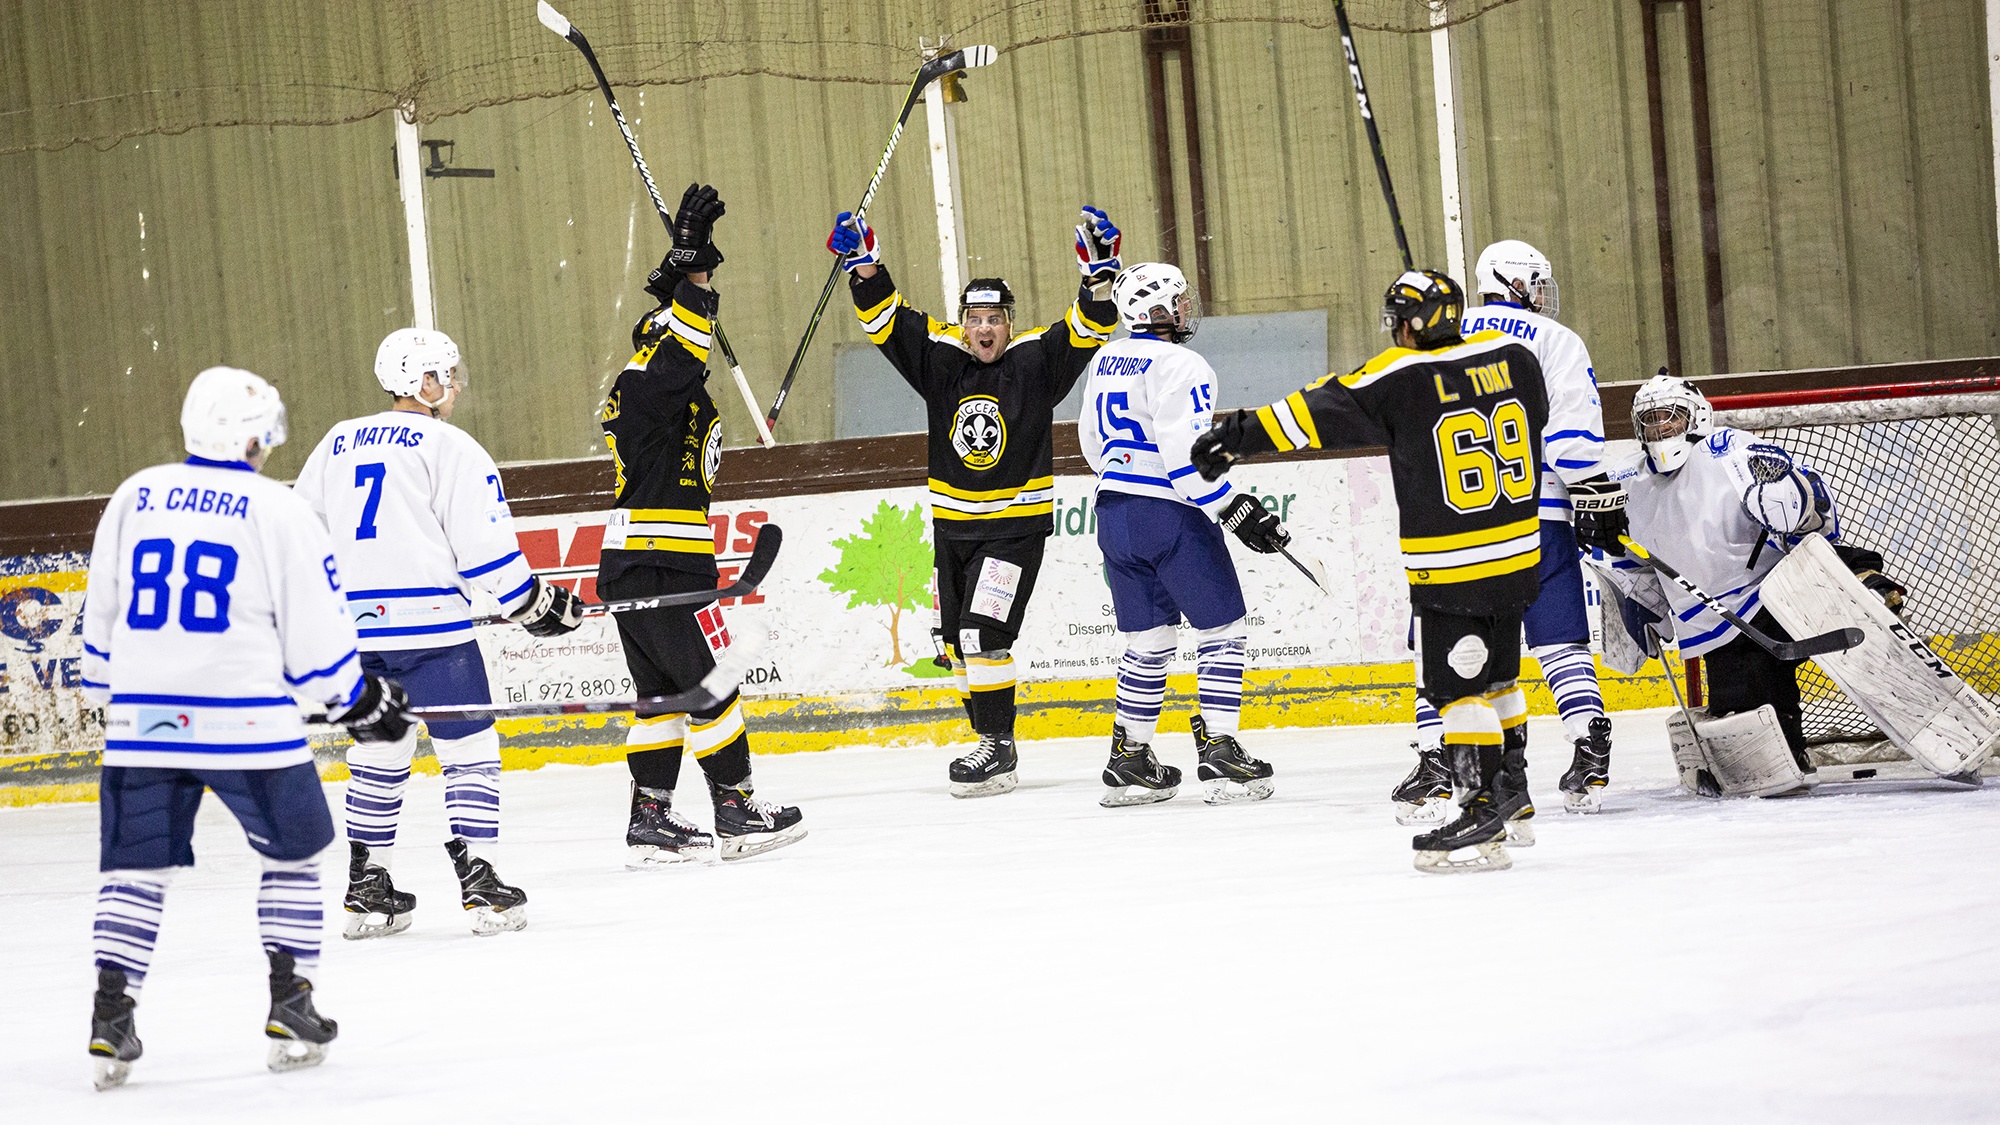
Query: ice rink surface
[{"x": 1036, "y": 957}]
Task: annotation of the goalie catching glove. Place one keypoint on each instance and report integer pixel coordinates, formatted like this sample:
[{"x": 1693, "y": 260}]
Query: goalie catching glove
[
  {"x": 1599, "y": 504},
  {"x": 1259, "y": 530},
  {"x": 854, "y": 240},
  {"x": 694, "y": 229},
  {"x": 380, "y": 711},
  {"x": 1097, "y": 247},
  {"x": 550, "y": 611}
]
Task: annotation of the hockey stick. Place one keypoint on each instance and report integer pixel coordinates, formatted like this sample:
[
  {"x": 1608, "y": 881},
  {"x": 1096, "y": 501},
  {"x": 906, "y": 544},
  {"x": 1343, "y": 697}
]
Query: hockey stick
[
  {"x": 554, "y": 21},
  {"x": 1311, "y": 576},
  {"x": 769, "y": 538},
  {"x": 963, "y": 59},
  {"x": 1374, "y": 137},
  {"x": 1837, "y": 640}
]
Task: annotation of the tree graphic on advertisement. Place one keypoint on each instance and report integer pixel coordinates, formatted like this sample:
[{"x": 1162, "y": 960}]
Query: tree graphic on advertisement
[{"x": 888, "y": 565}]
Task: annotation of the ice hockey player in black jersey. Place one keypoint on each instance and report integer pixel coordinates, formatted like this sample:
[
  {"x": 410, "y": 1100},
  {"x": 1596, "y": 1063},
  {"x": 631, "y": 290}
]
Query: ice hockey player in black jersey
[
  {"x": 1463, "y": 420},
  {"x": 665, "y": 437},
  {"x": 990, "y": 395}
]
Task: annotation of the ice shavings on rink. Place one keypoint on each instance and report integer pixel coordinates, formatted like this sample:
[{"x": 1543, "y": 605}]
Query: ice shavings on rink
[{"x": 1034, "y": 956}]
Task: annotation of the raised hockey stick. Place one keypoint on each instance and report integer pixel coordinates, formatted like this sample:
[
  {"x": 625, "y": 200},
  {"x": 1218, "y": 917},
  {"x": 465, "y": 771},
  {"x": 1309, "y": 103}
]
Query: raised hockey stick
[
  {"x": 554, "y": 21},
  {"x": 769, "y": 538},
  {"x": 1374, "y": 137},
  {"x": 1837, "y": 640},
  {"x": 964, "y": 58}
]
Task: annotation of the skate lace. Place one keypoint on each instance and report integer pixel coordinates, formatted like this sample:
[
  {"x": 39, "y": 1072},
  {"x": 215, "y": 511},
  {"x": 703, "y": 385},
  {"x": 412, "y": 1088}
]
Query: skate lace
[
  {"x": 680, "y": 822},
  {"x": 983, "y": 753}
]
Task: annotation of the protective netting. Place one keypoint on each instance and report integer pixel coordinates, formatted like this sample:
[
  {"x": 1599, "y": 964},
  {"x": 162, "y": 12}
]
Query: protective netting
[
  {"x": 1918, "y": 480},
  {"x": 99, "y": 71}
]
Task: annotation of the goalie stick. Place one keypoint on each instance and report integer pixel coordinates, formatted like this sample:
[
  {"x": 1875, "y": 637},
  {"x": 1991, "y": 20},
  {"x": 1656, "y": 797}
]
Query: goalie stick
[
  {"x": 554, "y": 21},
  {"x": 769, "y": 538},
  {"x": 964, "y": 58},
  {"x": 1374, "y": 136},
  {"x": 1837, "y": 640}
]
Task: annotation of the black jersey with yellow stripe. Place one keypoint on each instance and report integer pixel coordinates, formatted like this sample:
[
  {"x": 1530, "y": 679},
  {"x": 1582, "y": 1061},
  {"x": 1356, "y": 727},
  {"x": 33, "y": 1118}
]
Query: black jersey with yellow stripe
[
  {"x": 991, "y": 452},
  {"x": 1463, "y": 424},
  {"x": 665, "y": 437}
]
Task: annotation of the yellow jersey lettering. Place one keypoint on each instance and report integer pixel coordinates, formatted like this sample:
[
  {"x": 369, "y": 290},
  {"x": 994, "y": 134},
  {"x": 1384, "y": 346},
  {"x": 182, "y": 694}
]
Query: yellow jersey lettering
[{"x": 1444, "y": 395}]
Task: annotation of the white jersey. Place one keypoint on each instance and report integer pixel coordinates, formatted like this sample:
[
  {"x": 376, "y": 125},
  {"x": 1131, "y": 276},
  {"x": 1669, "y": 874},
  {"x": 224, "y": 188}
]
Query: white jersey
[
  {"x": 1703, "y": 520},
  {"x": 213, "y": 601},
  {"x": 1573, "y": 441},
  {"x": 1144, "y": 402},
  {"x": 417, "y": 516}
]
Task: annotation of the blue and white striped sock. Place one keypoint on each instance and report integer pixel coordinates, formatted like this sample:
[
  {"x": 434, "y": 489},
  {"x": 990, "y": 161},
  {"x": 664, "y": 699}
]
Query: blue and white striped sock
[
  {"x": 129, "y": 905},
  {"x": 1218, "y": 675},
  {"x": 378, "y": 773},
  {"x": 472, "y": 785},
  {"x": 1572, "y": 678},
  {"x": 290, "y": 910},
  {"x": 1142, "y": 685},
  {"x": 1430, "y": 726}
]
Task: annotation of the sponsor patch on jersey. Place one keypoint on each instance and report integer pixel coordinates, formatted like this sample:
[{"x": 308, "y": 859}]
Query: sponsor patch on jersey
[
  {"x": 993, "y": 596},
  {"x": 1718, "y": 442},
  {"x": 978, "y": 432},
  {"x": 711, "y": 454},
  {"x": 160, "y": 723}
]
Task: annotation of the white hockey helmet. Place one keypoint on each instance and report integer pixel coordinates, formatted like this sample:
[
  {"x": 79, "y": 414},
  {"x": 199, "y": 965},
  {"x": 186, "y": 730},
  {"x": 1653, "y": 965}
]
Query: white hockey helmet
[
  {"x": 226, "y": 409},
  {"x": 408, "y": 354},
  {"x": 1669, "y": 415},
  {"x": 1517, "y": 271},
  {"x": 1154, "y": 297}
]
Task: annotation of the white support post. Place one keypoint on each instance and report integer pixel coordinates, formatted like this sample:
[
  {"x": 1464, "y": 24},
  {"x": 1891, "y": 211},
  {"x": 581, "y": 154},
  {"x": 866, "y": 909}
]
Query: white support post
[
  {"x": 1993, "y": 94},
  {"x": 1447, "y": 122},
  {"x": 410, "y": 182},
  {"x": 944, "y": 194}
]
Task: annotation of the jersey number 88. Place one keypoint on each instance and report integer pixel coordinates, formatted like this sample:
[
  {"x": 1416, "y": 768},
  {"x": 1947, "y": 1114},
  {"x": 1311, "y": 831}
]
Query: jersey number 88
[
  {"x": 1483, "y": 455},
  {"x": 209, "y": 568}
]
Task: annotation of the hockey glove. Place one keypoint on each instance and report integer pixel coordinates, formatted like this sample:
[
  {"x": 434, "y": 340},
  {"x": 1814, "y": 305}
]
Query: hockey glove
[
  {"x": 694, "y": 228},
  {"x": 550, "y": 611},
  {"x": 854, "y": 240},
  {"x": 1867, "y": 566},
  {"x": 1220, "y": 446},
  {"x": 1258, "y": 528},
  {"x": 381, "y": 711},
  {"x": 1097, "y": 247},
  {"x": 1599, "y": 503}
]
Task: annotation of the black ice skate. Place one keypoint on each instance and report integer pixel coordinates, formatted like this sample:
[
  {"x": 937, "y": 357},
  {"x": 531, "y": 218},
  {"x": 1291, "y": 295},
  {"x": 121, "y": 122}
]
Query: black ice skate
[
  {"x": 1510, "y": 793},
  {"x": 1227, "y": 773},
  {"x": 746, "y": 826},
  {"x": 658, "y": 836},
  {"x": 1479, "y": 835},
  {"x": 375, "y": 908},
  {"x": 298, "y": 1033},
  {"x": 988, "y": 771},
  {"x": 1590, "y": 771},
  {"x": 114, "y": 1042},
  {"x": 1133, "y": 776},
  {"x": 494, "y": 906},
  {"x": 1424, "y": 797}
]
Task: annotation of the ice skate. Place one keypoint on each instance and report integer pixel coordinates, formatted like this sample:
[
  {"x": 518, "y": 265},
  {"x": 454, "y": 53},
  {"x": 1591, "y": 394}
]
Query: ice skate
[
  {"x": 658, "y": 836},
  {"x": 1590, "y": 771},
  {"x": 1225, "y": 770},
  {"x": 298, "y": 1033},
  {"x": 1424, "y": 797},
  {"x": 1134, "y": 777},
  {"x": 988, "y": 770},
  {"x": 746, "y": 826},
  {"x": 1510, "y": 793},
  {"x": 114, "y": 1041},
  {"x": 375, "y": 908},
  {"x": 494, "y": 906},
  {"x": 1477, "y": 840}
]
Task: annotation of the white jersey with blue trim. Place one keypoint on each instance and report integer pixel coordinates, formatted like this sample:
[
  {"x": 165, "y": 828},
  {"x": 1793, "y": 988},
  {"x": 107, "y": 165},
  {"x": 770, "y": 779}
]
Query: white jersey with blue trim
[
  {"x": 1144, "y": 402},
  {"x": 417, "y": 516},
  {"x": 213, "y": 601},
  {"x": 1573, "y": 443}
]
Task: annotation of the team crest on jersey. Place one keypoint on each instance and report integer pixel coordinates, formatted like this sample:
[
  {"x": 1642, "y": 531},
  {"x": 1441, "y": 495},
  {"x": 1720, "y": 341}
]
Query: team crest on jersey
[
  {"x": 978, "y": 432},
  {"x": 711, "y": 454}
]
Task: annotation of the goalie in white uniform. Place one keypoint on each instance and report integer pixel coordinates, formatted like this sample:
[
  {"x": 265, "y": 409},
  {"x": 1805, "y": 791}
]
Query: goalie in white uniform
[{"x": 418, "y": 519}]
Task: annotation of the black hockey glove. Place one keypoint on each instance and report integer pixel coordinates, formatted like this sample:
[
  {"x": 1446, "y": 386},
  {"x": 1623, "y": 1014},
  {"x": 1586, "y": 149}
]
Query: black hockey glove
[
  {"x": 550, "y": 611},
  {"x": 1867, "y": 566},
  {"x": 1599, "y": 504},
  {"x": 381, "y": 713},
  {"x": 1259, "y": 529},
  {"x": 1219, "y": 447},
  {"x": 694, "y": 228}
]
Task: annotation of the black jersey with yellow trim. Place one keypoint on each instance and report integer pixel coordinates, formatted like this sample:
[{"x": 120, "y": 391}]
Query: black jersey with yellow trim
[
  {"x": 1463, "y": 424},
  {"x": 991, "y": 452},
  {"x": 665, "y": 437}
]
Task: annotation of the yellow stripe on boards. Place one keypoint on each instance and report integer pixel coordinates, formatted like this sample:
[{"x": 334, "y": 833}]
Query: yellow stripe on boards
[{"x": 1446, "y": 576}]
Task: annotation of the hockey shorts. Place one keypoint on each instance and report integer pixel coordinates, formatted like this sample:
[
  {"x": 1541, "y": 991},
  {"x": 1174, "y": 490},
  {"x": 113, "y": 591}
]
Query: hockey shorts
[
  {"x": 1741, "y": 676},
  {"x": 669, "y": 649},
  {"x": 1557, "y": 616},
  {"x": 1460, "y": 655},
  {"x": 146, "y": 814},
  {"x": 983, "y": 588},
  {"x": 438, "y": 677},
  {"x": 1164, "y": 561}
]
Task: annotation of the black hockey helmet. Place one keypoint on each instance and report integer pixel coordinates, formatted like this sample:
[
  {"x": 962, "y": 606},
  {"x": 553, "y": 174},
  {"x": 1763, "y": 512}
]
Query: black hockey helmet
[
  {"x": 986, "y": 293},
  {"x": 652, "y": 327},
  {"x": 1429, "y": 302}
]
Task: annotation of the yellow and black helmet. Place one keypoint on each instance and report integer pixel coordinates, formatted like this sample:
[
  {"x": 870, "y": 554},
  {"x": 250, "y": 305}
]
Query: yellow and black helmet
[{"x": 1429, "y": 302}]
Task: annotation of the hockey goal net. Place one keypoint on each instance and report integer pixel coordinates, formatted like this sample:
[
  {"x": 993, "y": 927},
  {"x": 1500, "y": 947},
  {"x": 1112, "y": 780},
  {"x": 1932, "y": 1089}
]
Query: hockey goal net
[{"x": 1915, "y": 471}]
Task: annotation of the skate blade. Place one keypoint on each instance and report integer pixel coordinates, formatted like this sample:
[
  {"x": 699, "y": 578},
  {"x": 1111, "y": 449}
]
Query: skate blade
[
  {"x": 109, "y": 1074},
  {"x": 294, "y": 1054},
  {"x": 1223, "y": 791},
  {"x": 757, "y": 843},
  {"x": 1489, "y": 856},
  {"x": 1520, "y": 833},
  {"x": 361, "y": 927},
  {"x": 639, "y": 857},
  {"x": 1586, "y": 802},
  {"x": 1124, "y": 796},
  {"x": 1431, "y": 810},
  {"x": 487, "y": 921},
  {"x": 992, "y": 787}
]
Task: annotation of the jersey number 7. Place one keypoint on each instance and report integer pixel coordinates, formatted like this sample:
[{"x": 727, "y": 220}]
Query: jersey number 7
[
  {"x": 1483, "y": 454},
  {"x": 369, "y": 476}
]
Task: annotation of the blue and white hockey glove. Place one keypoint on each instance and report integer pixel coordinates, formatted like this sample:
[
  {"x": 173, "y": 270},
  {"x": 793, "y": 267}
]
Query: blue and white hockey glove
[
  {"x": 1097, "y": 247},
  {"x": 854, "y": 240}
]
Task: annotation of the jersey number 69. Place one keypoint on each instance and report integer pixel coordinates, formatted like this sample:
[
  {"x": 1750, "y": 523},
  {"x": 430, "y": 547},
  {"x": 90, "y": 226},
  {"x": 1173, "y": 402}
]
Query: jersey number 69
[{"x": 1484, "y": 454}]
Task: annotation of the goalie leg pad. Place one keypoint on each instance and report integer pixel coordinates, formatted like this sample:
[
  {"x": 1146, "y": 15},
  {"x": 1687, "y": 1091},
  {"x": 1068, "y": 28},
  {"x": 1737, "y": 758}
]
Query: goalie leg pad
[
  {"x": 1892, "y": 675},
  {"x": 1740, "y": 755}
]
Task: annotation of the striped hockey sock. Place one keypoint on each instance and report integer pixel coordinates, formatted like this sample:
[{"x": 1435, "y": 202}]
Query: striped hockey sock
[
  {"x": 1430, "y": 726},
  {"x": 1219, "y": 680},
  {"x": 129, "y": 905},
  {"x": 378, "y": 774},
  {"x": 1142, "y": 685},
  {"x": 291, "y": 911},
  {"x": 472, "y": 785},
  {"x": 1572, "y": 678}
]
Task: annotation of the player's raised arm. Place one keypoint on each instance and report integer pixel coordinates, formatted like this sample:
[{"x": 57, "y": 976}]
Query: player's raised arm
[
  {"x": 904, "y": 332},
  {"x": 1091, "y": 318},
  {"x": 1324, "y": 415}
]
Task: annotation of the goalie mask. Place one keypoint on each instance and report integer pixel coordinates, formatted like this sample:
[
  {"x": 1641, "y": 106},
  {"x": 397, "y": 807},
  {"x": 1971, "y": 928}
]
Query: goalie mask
[
  {"x": 1153, "y": 298},
  {"x": 1429, "y": 303},
  {"x": 226, "y": 409},
  {"x": 1515, "y": 271},
  {"x": 409, "y": 354},
  {"x": 1669, "y": 416}
]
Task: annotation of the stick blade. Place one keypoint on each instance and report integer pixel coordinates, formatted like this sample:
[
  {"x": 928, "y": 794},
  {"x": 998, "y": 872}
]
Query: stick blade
[
  {"x": 770, "y": 537},
  {"x": 982, "y": 55},
  {"x": 1838, "y": 640},
  {"x": 551, "y": 19}
]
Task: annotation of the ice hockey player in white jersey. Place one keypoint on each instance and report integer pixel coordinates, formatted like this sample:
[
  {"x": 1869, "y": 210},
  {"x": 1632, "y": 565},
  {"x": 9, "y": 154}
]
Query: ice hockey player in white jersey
[
  {"x": 213, "y": 601},
  {"x": 1519, "y": 297},
  {"x": 419, "y": 519},
  {"x": 1145, "y": 400}
]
